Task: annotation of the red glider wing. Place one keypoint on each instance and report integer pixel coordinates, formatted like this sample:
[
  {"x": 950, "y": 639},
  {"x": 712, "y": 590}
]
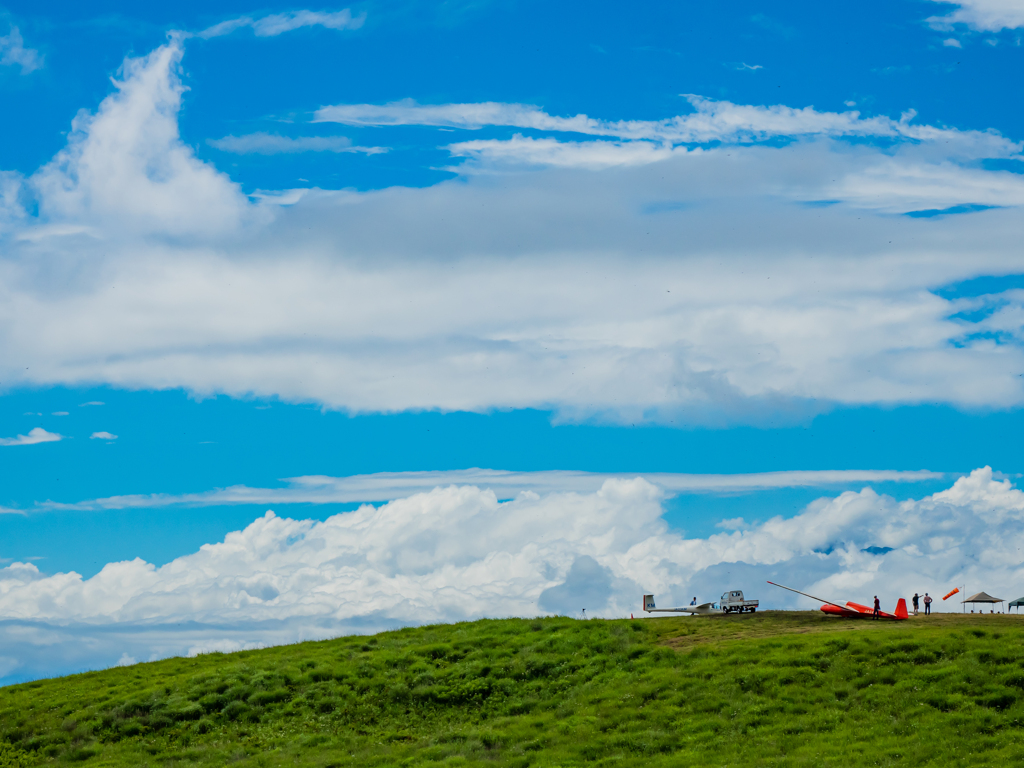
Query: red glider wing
[{"x": 852, "y": 610}]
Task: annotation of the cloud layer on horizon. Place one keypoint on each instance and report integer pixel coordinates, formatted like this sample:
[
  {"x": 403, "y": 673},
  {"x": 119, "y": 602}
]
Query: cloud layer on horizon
[
  {"x": 618, "y": 279},
  {"x": 458, "y": 553}
]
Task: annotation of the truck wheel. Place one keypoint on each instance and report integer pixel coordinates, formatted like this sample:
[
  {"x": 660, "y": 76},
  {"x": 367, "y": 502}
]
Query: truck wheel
[{"x": 753, "y": 609}]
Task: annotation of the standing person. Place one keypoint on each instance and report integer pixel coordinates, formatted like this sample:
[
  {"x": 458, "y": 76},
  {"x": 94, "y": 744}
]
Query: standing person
[
  {"x": 915, "y": 600},
  {"x": 878, "y": 608},
  {"x": 694, "y": 601},
  {"x": 927, "y": 605}
]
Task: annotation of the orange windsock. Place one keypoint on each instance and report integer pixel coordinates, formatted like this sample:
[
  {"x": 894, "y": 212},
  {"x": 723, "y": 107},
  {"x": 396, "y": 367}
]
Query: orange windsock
[{"x": 951, "y": 593}]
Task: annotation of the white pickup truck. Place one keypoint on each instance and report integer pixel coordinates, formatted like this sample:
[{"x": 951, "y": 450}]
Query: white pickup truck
[{"x": 733, "y": 602}]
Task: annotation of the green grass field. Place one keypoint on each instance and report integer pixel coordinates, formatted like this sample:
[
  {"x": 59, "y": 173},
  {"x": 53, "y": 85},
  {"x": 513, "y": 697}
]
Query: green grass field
[{"x": 766, "y": 689}]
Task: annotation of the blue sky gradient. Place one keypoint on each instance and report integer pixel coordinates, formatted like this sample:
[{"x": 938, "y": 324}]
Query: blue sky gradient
[{"x": 241, "y": 245}]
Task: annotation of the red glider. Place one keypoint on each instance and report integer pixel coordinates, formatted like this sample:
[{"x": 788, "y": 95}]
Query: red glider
[{"x": 853, "y": 610}]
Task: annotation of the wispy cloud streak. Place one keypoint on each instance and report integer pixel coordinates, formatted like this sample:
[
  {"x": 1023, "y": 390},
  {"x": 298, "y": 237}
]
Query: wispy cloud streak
[
  {"x": 387, "y": 486},
  {"x": 710, "y": 121},
  {"x": 272, "y": 144},
  {"x": 14, "y": 53},
  {"x": 279, "y": 23}
]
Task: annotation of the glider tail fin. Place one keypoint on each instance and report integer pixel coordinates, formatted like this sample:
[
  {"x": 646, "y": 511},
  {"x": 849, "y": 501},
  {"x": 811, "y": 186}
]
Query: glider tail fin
[
  {"x": 901, "y": 609},
  {"x": 648, "y": 602}
]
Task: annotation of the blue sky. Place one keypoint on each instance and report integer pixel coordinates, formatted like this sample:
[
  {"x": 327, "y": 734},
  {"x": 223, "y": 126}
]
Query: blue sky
[{"x": 764, "y": 257}]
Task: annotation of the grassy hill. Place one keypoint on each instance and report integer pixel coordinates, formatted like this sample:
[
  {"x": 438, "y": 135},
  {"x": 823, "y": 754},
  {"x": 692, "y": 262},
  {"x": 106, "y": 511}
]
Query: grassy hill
[{"x": 786, "y": 689}]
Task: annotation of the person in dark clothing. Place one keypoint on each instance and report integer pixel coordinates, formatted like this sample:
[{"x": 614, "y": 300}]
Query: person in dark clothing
[
  {"x": 878, "y": 608},
  {"x": 915, "y": 600},
  {"x": 927, "y": 604}
]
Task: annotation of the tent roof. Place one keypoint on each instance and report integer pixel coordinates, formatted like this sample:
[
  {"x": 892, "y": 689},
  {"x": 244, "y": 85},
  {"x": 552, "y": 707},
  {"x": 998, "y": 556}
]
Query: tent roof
[
  {"x": 1016, "y": 603},
  {"x": 983, "y": 597}
]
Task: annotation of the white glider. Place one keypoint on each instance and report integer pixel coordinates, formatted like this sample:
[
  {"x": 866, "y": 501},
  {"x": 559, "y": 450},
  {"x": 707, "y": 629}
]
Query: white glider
[{"x": 704, "y": 609}]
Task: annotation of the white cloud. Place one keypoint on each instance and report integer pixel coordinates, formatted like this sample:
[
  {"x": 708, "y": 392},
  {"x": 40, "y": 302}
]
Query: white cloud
[
  {"x": 595, "y": 155},
  {"x": 278, "y": 23},
  {"x": 952, "y": 42},
  {"x": 271, "y": 144},
  {"x": 37, "y": 435},
  {"x": 982, "y": 15},
  {"x": 102, "y": 436},
  {"x": 126, "y": 660},
  {"x": 60, "y": 413},
  {"x": 12, "y": 212},
  {"x": 126, "y": 168},
  {"x": 675, "y": 271},
  {"x": 733, "y": 524},
  {"x": 387, "y": 486},
  {"x": 710, "y": 122},
  {"x": 898, "y": 185},
  {"x": 925, "y": 168},
  {"x": 14, "y": 53},
  {"x": 458, "y": 553}
]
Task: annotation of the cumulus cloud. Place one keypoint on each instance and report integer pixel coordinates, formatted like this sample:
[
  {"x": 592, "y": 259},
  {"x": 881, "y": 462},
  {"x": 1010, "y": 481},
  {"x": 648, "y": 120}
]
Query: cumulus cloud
[
  {"x": 271, "y": 144},
  {"x": 982, "y": 15},
  {"x": 458, "y": 553},
  {"x": 14, "y": 53},
  {"x": 125, "y": 167},
  {"x": 386, "y": 486},
  {"x": 278, "y": 23},
  {"x": 679, "y": 271},
  {"x": 102, "y": 436},
  {"x": 37, "y": 435}
]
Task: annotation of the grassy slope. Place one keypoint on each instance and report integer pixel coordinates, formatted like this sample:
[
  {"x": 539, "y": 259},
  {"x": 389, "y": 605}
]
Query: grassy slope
[{"x": 765, "y": 689}]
